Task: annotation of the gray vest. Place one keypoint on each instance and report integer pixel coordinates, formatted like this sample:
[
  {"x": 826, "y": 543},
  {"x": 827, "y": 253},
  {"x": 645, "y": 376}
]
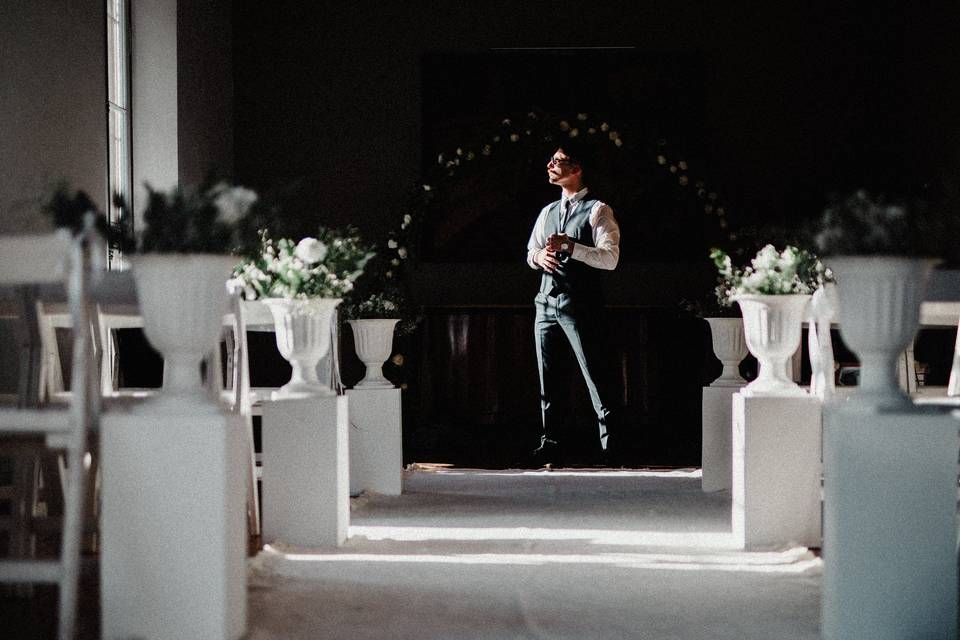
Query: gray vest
[{"x": 572, "y": 277}]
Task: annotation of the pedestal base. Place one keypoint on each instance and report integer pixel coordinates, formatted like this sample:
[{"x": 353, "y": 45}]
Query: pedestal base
[
  {"x": 716, "y": 451},
  {"x": 776, "y": 471},
  {"x": 306, "y": 471},
  {"x": 890, "y": 528},
  {"x": 173, "y": 527},
  {"x": 376, "y": 448}
]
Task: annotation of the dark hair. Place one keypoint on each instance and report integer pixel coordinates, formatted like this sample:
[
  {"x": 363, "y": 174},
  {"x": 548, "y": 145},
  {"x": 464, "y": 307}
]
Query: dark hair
[{"x": 579, "y": 153}]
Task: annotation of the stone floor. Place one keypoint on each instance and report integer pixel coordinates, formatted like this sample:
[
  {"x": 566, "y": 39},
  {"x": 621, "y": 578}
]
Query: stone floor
[
  {"x": 586, "y": 554},
  {"x": 467, "y": 554}
]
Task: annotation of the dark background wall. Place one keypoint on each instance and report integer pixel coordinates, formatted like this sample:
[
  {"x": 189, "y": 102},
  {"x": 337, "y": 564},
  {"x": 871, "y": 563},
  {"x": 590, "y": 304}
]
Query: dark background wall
[
  {"x": 799, "y": 98},
  {"x": 204, "y": 89}
]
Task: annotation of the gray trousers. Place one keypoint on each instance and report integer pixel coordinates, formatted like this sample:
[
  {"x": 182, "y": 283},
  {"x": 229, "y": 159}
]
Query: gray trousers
[{"x": 562, "y": 324}]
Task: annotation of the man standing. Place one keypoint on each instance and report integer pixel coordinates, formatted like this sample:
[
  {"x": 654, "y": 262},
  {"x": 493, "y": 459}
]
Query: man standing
[{"x": 573, "y": 239}]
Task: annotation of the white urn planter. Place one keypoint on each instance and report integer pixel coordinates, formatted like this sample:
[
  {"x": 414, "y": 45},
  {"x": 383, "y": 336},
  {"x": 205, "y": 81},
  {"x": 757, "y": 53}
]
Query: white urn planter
[
  {"x": 182, "y": 300},
  {"x": 373, "y": 339},
  {"x": 303, "y": 338},
  {"x": 730, "y": 347},
  {"x": 773, "y": 327},
  {"x": 879, "y": 299}
]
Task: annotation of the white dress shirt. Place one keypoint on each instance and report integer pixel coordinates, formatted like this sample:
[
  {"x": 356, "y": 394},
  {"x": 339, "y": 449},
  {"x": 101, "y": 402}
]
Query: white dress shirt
[{"x": 606, "y": 236}]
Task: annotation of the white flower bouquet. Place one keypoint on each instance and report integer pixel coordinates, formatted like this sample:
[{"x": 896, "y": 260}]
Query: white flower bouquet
[
  {"x": 771, "y": 272},
  {"x": 211, "y": 219},
  {"x": 323, "y": 267}
]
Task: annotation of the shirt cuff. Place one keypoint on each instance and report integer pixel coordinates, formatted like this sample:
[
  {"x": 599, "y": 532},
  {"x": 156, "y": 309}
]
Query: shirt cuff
[{"x": 578, "y": 251}]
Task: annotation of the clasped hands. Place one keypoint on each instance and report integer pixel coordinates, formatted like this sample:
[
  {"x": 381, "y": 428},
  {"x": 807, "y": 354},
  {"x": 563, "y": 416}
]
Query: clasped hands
[{"x": 548, "y": 257}]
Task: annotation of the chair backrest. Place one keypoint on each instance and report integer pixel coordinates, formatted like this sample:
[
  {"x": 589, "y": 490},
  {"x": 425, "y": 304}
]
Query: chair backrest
[{"x": 47, "y": 260}]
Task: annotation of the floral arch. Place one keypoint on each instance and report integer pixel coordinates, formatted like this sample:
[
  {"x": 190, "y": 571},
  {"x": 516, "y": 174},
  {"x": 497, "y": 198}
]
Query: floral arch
[{"x": 655, "y": 191}]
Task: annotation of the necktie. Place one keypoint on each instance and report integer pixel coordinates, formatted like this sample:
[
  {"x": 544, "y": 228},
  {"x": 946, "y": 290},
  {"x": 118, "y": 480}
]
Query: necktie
[{"x": 565, "y": 213}]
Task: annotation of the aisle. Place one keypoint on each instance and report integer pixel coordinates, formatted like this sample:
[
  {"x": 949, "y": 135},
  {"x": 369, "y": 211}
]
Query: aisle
[{"x": 580, "y": 554}]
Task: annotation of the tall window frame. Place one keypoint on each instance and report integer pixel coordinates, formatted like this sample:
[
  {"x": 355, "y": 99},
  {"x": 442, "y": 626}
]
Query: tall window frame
[{"x": 119, "y": 154}]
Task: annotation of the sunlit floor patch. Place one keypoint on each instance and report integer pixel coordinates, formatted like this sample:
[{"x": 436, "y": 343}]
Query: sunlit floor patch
[
  {"x": 706, "y": 539},
  {"x": 793, "y": 560},
  {"x": 580, "y": 473}
]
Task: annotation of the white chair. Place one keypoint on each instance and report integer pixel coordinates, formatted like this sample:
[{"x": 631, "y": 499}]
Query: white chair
[
  {"x": 55, "y": 259},
  {"x": 239, "y": 398}
]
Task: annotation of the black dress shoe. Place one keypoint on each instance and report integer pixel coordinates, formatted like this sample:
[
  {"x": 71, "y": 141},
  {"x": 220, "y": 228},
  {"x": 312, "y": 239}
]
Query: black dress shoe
[
  {"x": 546, "y": 455},
  {"x": 609, "y": 459}
]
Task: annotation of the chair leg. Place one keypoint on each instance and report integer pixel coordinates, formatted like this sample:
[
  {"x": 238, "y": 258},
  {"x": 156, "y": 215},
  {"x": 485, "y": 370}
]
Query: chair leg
[
  {"x": 20, "y": 495},
  {"x": 71, "y": 543},
  {"x": 953, "y": 387}
]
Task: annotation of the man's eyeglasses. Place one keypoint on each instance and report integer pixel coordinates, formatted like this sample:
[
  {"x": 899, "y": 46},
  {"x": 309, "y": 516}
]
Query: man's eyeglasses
[{"x": 553, "y": 162}]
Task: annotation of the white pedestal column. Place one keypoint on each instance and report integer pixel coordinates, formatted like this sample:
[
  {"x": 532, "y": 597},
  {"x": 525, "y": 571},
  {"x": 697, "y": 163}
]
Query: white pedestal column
[
  {"x": 306, "y": 499},
  {"x": 890, "y": 526},
  {"x": 776, "y": 470},
  {"x": 376, "y": 448},
  {"x": 717, "y": 452},
  {"x": 173, "y": 527}
]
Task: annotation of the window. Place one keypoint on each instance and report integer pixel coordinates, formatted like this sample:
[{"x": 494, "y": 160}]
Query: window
[{"x": 118, "y": 110}]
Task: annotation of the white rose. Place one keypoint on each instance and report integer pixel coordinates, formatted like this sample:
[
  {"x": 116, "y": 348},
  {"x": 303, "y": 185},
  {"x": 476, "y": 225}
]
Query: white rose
[
  {"x": 402, "y": 252},
  {"x": 407, "y": 218},
  {"x": 233, "y": 203},
  {"x": 311, "y": 250},
  {"x": 514, "y": 137},
  {"x": 391, "y": 244},
  {"x": 395, "y": 262},
  {"x": 389, "y": 306}
]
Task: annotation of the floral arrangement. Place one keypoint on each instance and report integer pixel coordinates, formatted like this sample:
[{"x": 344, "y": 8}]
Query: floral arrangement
[
  {"x": 863, "y": 223},
  {"x": 67, "y": 209},
  {"x": 714, "y": 305},
  {"x": 383, "y": 293},
  {"x": 323, "y": 267},
  {"x": 213, "y": 218},
  {"x": 377, "y": 305},
  {"x": 771, "y": 272}
]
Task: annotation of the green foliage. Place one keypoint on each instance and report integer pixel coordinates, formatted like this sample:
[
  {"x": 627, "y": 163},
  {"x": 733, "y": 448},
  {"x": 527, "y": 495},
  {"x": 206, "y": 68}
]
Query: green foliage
[
  {"x": 792, "y": 271},
  {"x": 212, "y": 218},
  {"x": 323, "y": 267},
  {"x": 67, "y": 208}
]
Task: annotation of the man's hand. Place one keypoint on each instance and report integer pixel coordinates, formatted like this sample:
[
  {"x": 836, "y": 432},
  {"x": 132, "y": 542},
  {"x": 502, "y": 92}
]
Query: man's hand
[
  {"x": 557, "y": 242},
  {"x": 547, "y": 259}
]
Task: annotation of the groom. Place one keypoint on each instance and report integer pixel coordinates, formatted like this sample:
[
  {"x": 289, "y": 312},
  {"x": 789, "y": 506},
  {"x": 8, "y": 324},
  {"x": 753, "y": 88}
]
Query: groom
[{"x": 573, "y": 240}]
